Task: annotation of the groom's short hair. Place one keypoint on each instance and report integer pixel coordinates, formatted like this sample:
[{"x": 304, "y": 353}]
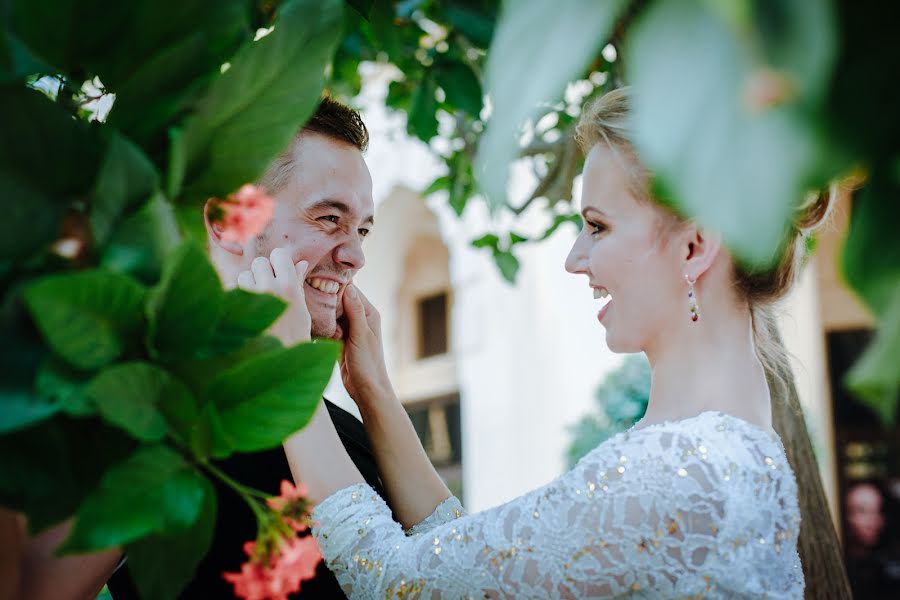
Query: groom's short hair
[{"x": 333, "y": 120}]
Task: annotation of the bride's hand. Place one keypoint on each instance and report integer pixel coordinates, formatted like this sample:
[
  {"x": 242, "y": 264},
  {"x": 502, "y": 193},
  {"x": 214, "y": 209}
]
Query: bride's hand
[
  {"x": 279, "y": 276},
  {"x": 362, "y": 363}
]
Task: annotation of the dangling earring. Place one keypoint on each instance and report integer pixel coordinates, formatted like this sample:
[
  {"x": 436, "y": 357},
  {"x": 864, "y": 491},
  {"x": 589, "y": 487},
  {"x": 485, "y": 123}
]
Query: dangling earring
[{"x": 692, "y": 298}]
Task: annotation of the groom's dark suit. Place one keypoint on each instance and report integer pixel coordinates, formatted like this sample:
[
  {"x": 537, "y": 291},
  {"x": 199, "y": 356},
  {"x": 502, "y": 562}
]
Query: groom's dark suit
[{"x": 235, "y": 523}]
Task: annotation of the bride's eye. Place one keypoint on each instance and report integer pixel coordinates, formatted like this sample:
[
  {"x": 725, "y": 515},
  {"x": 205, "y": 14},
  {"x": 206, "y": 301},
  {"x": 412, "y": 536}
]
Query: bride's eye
[{"x": 597, "y": 227}]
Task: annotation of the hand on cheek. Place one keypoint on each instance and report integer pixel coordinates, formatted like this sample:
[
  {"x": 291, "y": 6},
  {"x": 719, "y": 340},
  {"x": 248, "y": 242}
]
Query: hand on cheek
[{"x": 279, "y": 276}]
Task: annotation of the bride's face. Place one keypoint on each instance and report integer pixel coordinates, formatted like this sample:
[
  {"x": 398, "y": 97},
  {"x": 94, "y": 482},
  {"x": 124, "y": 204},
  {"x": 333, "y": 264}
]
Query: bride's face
[{"x": 622, "y": 253}]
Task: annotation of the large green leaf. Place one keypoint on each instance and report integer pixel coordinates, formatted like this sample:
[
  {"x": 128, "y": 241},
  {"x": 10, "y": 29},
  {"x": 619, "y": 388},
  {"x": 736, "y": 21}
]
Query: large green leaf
[
  {"x": 161, "y": 565},
  {"x": 153, "y": 491},
  {"x": 461, "y": 86},
  {"x": 251, "y": 112},
  {"x": 265, "y": 399},
  {"x": 422, "y": 118},
  {"x": 143, "y": 399},
  {"x": 71, "y": 34},
  {"x": 88, "y": 318},
  {"x": 731, "y": 131},
  {"x": 185, "y": 306},
  {"x": 64, "y": 386},
  {"x": 126, "y": 178},
  {"x": 536, "y": 50},
  {"x": 176, "y": 53},
  {"x": 870, "y": 262},
  {"x": 141, "y": 241},
  {"x": 42, "y": 144},
  {"x": 31, "y": 220},
  {"x": 46, "y": 470},
  {"x": 244, "y": 315}
]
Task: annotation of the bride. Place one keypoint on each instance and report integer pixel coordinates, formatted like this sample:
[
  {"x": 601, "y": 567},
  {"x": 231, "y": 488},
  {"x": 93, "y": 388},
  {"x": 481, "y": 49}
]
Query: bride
[{"x": 696, "y": 500}]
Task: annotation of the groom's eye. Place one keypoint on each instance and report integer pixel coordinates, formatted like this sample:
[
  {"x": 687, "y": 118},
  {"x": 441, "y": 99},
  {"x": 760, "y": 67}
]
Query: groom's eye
[
  {"x": 330, "y": 218},
  {"x": 364, "y": 232}
]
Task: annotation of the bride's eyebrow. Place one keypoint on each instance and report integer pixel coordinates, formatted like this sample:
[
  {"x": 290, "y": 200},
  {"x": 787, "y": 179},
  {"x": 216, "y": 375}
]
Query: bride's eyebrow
[{"x": 590, "y": 209}]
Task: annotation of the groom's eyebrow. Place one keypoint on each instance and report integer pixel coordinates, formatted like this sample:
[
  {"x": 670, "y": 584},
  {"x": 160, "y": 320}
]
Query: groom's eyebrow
[{"x": 341, "y": 207}]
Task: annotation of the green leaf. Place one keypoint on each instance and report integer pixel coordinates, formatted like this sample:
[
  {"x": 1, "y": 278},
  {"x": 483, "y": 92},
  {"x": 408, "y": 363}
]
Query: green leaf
[
  {"x": 153, "y": 491},
  {"x": 45, "y": 146},
  {"x": 477, "y": 24},
  {"x": 870, "y": 262},
  {"x": 70, "y": 34},
  {"x": 265, "y": 399},
  {"x": 558, "y": 220},
  {"x": 738, "y": 165},
  {"x": 570, "y": 39},
  {"x": 161, "y": 565},
  {"x": 441, "y": 183},
  {"x": 185, "y": 306},
  {"x": 140, "y": 242},
  {"x": 126, "y": 178},
  {"x": 508, "y": 264},
  {"x": 175, "y": 55},
  {"x": 422, "y": 117},
  {"x": 252, "y": 111},
  {"x": 22, "y": 410},
  {"x": 245, "y": 315},
  {"x": 64, "y": 387},
  {"x": 88, "y": 318},
  {"x": 143, "y": 399},
  {"x": 461, "y": 86},
  {"x": 363, "y": 7},
  {"x": 47, "y": 469},
  {"x": 515, "y": 238},
  {"x": 31, "y": 220},
  {"x": 875, "y": 377},
  {"x": 489, "y": 240}
]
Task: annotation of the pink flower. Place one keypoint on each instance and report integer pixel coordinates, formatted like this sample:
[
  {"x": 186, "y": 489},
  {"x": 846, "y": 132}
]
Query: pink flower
[
  {"x": 245, "y": 213},
  {"x": 278, "y": 561},
  {"x": 292, "y": 505}
]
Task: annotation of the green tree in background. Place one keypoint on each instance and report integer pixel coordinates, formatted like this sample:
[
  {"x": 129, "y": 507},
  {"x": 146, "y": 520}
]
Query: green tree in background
[{"x": 620, "y": 402}]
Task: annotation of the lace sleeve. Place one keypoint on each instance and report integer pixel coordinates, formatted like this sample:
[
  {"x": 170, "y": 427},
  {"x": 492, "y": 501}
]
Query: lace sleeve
[
  {"x": 446, "y": 511},
  {"x": 630, "y": 516}
]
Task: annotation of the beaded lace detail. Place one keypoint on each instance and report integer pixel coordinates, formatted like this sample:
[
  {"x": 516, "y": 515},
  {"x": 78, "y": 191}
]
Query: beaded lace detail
[{"x": 703, "y": 507}]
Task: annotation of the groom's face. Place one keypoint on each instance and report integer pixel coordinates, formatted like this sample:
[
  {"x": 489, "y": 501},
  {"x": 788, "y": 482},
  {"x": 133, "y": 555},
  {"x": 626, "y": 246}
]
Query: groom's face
[{"x": 322, "y": 215}]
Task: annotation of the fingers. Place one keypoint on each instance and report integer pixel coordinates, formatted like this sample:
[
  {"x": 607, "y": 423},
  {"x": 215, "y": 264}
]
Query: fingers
[
  {"x": 246, "y": 282},
  {"x": 373, "y": 317},
  {"x": 354, "y": 311},
  {"x": 262, "y": 273},
  {"x": 282, "y": 265}
]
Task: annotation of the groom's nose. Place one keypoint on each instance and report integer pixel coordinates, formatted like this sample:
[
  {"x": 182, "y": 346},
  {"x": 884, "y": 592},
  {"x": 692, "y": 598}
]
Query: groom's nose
[{"x": 350, "y": 255}]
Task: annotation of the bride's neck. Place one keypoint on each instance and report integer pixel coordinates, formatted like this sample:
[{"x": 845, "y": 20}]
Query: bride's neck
[{"x": 709, "y": 365}]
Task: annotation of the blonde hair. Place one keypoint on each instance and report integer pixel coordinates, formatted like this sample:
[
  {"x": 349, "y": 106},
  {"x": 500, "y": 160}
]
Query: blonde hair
[{"x": 606, "y": 120}]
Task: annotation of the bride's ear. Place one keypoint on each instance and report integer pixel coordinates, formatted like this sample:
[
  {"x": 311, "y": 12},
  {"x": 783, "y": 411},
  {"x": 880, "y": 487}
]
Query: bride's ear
[
  {"x": 214, "y": 230},
  {"x": 700, "y": 247}
]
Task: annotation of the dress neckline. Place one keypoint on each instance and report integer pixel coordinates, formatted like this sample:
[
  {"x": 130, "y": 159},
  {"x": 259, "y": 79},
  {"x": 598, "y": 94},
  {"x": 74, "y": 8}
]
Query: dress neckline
[{"x": 770, "y": 433}]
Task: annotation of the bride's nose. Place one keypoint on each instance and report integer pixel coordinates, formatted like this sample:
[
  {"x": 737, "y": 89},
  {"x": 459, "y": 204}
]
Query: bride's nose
[{"x": 576, "y": 261}]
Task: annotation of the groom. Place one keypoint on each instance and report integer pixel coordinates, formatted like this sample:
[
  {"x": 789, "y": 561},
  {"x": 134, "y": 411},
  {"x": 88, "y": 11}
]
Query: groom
[{"x": 323, "y": 211}]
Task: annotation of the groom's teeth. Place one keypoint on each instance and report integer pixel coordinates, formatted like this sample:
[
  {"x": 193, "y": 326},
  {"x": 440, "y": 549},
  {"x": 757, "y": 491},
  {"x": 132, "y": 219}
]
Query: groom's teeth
[
  {"x": 324, "y": 285},
  {"x": 601, "y": 293}
]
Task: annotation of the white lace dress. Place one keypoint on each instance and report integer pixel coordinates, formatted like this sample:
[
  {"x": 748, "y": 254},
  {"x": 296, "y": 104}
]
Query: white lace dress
[{"x": 703, "y": 507}]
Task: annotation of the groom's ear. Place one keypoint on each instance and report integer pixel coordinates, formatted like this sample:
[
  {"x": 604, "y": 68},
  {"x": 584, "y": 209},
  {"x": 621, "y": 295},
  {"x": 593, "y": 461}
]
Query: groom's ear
[{"x": 214, "y": 230}]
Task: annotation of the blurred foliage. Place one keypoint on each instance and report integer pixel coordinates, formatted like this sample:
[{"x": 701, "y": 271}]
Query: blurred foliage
[
  {"x": 740, "y": 109},
  {"x": 127, "y": 369},
  {"x": 621, "y": 401},
  {"x": 122, "y": 355}
]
